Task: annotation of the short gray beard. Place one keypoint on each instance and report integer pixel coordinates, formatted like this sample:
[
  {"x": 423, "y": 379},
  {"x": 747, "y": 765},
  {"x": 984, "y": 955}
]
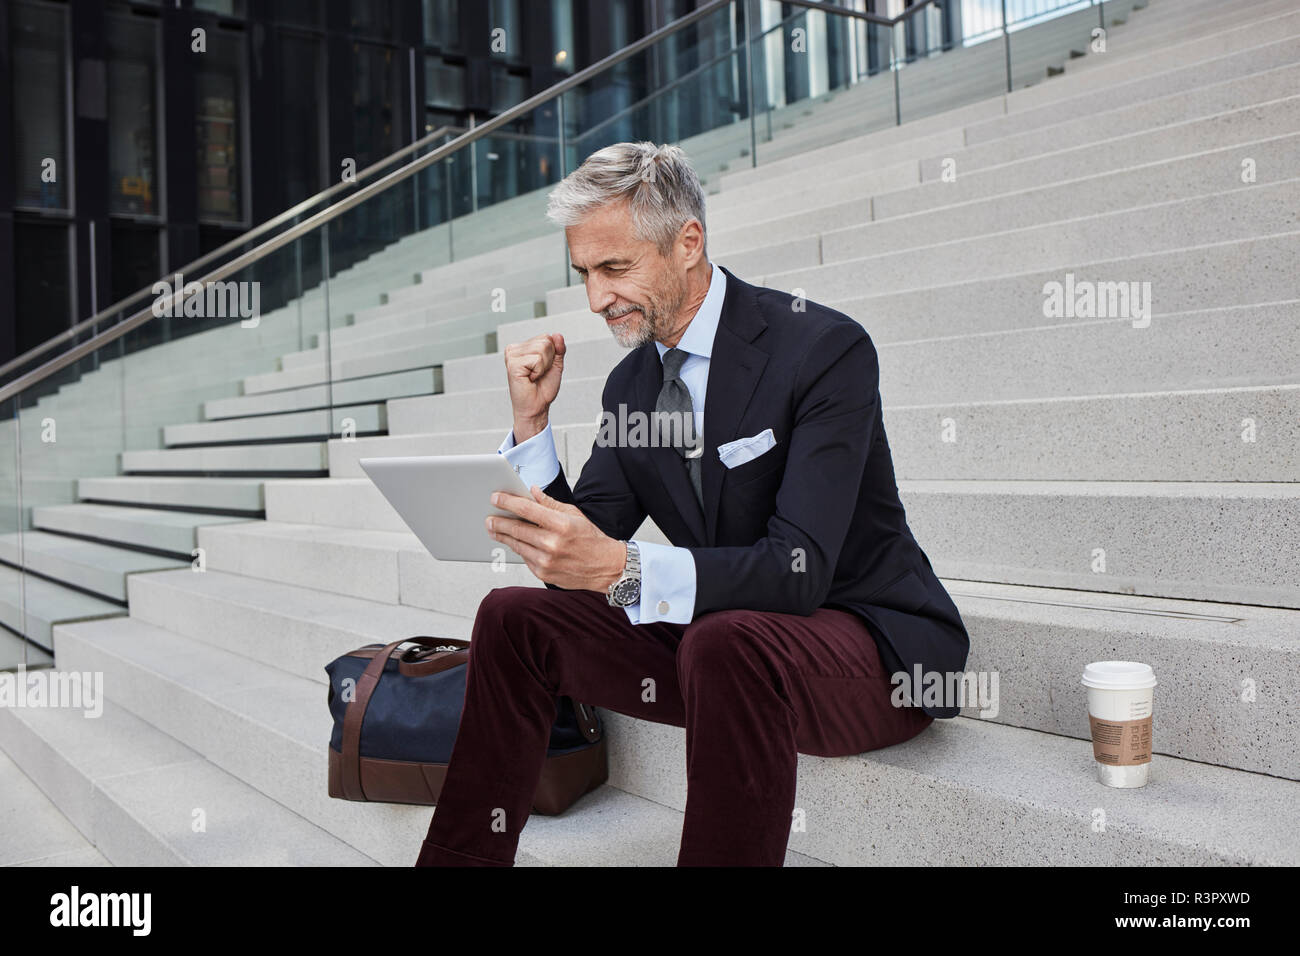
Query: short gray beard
[
  {"x": 652, "y": 325},
  {"x": 634, "y": 336}
]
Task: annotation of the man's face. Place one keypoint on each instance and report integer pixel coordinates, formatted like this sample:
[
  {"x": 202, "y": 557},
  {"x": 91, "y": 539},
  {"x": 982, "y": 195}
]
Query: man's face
[{"x": 637, "y": 291}]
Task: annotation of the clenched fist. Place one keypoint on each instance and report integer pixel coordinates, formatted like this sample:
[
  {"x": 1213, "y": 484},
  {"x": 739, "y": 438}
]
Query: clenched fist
[{"x": 533, "y": 370}]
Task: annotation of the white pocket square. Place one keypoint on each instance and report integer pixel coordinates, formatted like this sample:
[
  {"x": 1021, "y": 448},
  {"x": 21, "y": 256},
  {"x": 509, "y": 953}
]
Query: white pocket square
[{"x": 741, "y": 450}]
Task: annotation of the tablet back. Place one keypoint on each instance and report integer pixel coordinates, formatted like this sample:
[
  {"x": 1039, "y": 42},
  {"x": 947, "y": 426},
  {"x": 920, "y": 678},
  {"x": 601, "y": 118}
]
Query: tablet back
[{"x": 444, "y": 499}]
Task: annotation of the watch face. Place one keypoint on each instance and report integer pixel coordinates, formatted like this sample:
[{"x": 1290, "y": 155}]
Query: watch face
[{"x": 627, "y": 591}]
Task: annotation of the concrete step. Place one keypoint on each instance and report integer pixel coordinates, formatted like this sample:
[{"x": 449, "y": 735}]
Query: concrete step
[
  {"x": 366, "y": 366},
  {"x": 1163, "y": 30},
  {"x": 856, "y": 157},
  {"x": 307, "y": 424},
  {"x": 386, "y": 566},
  {"x": 1162, "y": 181},
  {"x": 175, "y": 531},
  {"x": 574, "y": 324},
  {"x": 1232, "y": 542},
  {"x": 974, "y": 73},
  {"x": 933, "y": 797},
  {"x": 311, "y": 625},
  {"x": 422, "y": 381},
  {"x": 851, "y": 268},
  {"x": 1037, "y": 639},
  {"x": 17, "y": 652},
  {"x": 346, "y": 455},
  {"x": 415, "y": 336},
  {"x": 1083, "y": 358},
  {"x": 137, "y": 795},
  {"x": 1209, "y": 435},
  {"x": 927, "y": 337},
  {"x": 1203, "y": 101},
  {"x": 578, "y": 400},
  {"x": 1240, "y": 434},
  {"x": 36, "y": 831},
  {"x": 1216, "y": 275},
  {"x": 31, "y": 606},
  {"x": 1206, "y": 656},
  {"x": 518, "y": 302},
  {"x": 1166, "y": 143},
  {"x": 269, "y": 731},
  {"x": 265, "y": 458},
  {"x": 1278, "y": 49},
  {"x": 215, "y": 494},
  {"x": 89, "y": 565}
]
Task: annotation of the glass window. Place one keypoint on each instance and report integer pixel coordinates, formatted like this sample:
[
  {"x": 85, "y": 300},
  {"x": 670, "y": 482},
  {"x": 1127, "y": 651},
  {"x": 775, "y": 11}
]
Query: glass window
[
  {"x": 136, "y": 257},
  {"x": 507, "y": 90},
  {"x": 300, "y": 118},
  {"x": 132, "y": 116},
  {"x": 38, "y": 40},
  {"x": 222, "y": 8},
  {"x": 219, "y": 119},
  {"x": 374, "y": 18},
  {"x": 302, "y": 13},
  {"x": 43, "y": 280},
  {"x": 442, "y": 24},
  {"x": 506, "y": 16},
  {"x": 380, "y": 116},
  {"x": 444, "y": 83},
  {"x": 562, "y": 34}
]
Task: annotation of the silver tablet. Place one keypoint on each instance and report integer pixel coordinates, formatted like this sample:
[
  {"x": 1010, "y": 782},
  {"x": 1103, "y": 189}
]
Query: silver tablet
[{"x": 444, "y": 499}]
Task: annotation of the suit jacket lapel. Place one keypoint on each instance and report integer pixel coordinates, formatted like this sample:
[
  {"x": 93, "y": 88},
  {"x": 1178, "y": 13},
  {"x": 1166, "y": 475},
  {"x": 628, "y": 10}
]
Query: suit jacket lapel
[{"x": 734, "y": 370}]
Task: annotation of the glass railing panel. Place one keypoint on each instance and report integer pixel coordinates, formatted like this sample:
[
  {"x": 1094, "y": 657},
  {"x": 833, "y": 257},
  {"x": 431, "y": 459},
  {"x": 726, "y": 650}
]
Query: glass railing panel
[
  {"x": 1045, "y": 34},
  {"x": 270, "y": 274},
  {"x": 398, "y": 313},
  {"x": 692, "y": 89},
  {"x": 67, "y": 428},
  {"x": 501, "y": 182},
  {"x": 820, "y": 78},
  {"x": 16, "y": 652},
  {"x": 934, "y": 77}
]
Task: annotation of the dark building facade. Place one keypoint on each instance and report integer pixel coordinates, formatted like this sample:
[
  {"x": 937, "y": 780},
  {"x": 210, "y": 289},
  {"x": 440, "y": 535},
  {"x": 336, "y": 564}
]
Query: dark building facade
[
  {"x": 132, "y": 144},
  {"x": 138, "y": 135}
]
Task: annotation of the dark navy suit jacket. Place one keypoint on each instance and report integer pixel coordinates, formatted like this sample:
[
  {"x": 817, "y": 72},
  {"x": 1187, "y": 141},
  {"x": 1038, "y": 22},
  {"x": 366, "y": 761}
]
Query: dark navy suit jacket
[{"x": 826, "y": 488}]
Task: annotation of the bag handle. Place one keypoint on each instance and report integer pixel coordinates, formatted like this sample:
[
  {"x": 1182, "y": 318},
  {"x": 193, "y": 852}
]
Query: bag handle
[{"x": 356, "y": 712}]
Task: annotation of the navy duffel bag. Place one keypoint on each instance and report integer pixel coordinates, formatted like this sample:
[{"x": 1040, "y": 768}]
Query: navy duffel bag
[{"x": 396, "y": 714}]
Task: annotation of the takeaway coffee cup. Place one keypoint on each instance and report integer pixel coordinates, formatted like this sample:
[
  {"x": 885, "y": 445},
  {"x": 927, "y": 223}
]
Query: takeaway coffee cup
[{"x": 1120, "y": 697}]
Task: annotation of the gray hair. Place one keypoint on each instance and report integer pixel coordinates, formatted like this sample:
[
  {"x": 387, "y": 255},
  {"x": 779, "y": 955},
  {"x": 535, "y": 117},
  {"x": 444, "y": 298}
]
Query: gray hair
[{"x": 664, "y": 191}]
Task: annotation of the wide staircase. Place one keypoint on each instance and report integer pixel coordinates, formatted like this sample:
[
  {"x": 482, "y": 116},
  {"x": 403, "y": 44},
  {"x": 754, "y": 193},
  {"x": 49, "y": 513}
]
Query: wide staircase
[{"x": 1089, "y": 485}]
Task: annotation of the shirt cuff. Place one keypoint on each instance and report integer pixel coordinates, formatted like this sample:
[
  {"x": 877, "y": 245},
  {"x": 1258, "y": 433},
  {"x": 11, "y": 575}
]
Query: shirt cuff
[
  {"x": 534, "y": 460},
  {"x": 667, "y": 585}
]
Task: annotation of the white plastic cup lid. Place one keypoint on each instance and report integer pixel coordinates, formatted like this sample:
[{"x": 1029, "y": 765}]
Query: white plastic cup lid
[{"x": 1118, "y": 675}]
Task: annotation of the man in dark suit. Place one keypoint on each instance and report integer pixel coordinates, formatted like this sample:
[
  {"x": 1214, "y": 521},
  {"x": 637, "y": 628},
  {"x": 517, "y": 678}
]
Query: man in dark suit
[{"x": 792, "y": 589}]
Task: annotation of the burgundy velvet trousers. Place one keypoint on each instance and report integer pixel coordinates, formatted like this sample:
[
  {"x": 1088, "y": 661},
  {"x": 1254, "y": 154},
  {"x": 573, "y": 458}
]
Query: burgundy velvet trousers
[{"x": 752, "y": 688}]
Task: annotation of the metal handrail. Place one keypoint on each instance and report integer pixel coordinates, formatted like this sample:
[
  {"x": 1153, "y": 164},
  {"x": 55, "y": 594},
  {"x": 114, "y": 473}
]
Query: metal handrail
[
  {"x": 360, "y": 195},
  {"x": 240, "y": 240}
]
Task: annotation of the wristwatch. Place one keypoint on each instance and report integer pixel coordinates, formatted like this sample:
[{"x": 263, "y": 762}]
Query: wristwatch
[{"x": 626, "y": 591}]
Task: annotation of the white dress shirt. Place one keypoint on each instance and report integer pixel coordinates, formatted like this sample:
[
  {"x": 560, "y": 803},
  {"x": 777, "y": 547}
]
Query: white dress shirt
[{"x": 667, "y": 573}]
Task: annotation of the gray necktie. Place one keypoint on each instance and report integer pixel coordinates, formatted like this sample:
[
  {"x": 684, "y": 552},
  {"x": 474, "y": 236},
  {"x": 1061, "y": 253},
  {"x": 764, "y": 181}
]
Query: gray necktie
[{"x": 675, "y": 399}]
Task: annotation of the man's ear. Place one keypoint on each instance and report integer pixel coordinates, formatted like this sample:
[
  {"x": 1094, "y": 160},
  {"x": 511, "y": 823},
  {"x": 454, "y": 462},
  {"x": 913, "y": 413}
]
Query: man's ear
[{"x": 690, "y": 240}]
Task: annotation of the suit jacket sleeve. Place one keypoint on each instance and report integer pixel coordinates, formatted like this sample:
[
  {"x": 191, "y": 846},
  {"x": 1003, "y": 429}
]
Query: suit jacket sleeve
[{"x": 835, "y": 400}]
